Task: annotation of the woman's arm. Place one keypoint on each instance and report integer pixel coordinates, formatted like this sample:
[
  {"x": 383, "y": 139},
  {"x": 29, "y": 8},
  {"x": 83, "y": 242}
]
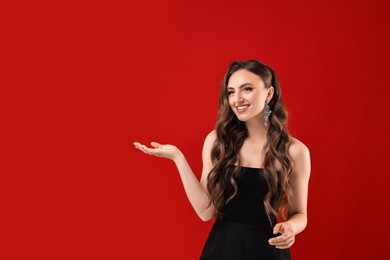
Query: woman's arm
[
  {"x": 299, "y": 182},
  {"x": 196, "y": 191}
]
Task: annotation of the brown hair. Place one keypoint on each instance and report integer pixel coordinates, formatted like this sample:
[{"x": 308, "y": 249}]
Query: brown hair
[{"x": 231, "y": 134}]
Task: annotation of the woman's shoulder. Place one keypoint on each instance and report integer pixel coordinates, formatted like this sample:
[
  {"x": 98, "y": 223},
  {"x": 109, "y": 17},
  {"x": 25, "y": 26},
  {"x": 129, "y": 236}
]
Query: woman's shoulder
[
  {"x": 210, "y": 140},
  {"x": 298, "y": 150},
  {"x": 211, "y": 137}
]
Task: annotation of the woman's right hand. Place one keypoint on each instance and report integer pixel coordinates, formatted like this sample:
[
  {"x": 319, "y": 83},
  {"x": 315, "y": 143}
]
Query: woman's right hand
[{"x": 159, "y": 150}]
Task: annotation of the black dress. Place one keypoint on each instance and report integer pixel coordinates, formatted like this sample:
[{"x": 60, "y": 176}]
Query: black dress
[{"x": 244, "y": 230}]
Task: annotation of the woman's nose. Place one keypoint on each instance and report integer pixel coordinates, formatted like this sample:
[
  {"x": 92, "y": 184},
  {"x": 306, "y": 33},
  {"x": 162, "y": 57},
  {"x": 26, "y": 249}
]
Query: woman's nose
[{"x": 239, "y": 98}]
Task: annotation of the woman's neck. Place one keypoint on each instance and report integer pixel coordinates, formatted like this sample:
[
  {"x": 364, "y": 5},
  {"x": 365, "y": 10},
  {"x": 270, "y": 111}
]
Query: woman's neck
[{"x": 257, "y": 131}]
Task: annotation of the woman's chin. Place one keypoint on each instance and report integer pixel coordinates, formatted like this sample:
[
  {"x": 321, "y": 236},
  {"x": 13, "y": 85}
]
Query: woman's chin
[{"x": 242, "y": 118}]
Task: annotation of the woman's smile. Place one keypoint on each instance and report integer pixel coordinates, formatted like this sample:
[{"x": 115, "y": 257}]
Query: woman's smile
[{"x": 242, "y": 108}]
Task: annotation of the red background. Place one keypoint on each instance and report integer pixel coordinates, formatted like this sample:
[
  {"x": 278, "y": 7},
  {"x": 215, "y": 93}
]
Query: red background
[{"x": 82, "y": 81}]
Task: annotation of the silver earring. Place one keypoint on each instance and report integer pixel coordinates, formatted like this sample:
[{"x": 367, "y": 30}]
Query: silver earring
[{"x": 267, "y": 113}]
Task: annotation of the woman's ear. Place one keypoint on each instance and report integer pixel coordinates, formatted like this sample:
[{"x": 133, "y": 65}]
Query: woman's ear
[{"x": 270, "y": 93}]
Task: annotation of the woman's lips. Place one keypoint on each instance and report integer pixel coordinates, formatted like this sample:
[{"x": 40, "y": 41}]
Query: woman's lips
[{"x": 242, "y": 108}]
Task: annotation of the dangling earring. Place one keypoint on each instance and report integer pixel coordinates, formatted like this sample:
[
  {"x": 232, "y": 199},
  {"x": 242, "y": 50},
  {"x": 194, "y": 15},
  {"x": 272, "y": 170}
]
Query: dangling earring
[{"x": 267, "y": 112}]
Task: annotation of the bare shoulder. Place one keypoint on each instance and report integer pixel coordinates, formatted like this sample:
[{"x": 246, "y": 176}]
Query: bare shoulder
[
  {"x": 208, "y": 146},
  {"x": 300, "y": 155},
  {"x": 297, "y": 148},
  {"x": 211, "y": 137}
]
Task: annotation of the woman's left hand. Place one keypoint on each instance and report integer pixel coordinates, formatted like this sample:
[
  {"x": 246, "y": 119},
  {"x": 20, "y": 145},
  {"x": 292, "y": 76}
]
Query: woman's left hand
[{"x": 287, "y": 237}]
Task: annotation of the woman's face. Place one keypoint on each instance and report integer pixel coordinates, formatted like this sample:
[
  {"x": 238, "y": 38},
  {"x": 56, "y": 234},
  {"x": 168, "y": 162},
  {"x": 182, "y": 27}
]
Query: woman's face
[{"x": 247, "y": 95}]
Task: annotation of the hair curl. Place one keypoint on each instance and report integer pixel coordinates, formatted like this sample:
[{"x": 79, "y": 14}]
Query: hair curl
[{"x": 231, "y": 134}]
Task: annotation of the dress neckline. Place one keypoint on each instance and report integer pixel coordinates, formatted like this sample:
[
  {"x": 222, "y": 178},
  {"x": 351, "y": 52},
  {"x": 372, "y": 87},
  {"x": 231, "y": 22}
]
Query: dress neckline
[{"x": 246, "y": 167}]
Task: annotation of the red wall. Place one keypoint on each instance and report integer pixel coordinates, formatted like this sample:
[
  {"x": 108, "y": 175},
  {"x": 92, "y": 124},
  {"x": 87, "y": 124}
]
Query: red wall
[{"x": 85, "y": 80}]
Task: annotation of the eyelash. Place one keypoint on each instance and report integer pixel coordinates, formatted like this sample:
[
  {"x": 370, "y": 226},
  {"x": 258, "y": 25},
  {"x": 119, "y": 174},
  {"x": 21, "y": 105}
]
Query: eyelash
[{"x": 245, "y": 89}]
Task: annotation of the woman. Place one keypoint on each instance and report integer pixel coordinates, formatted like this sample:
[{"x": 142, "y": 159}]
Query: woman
[{"x": 255, "y": 174}]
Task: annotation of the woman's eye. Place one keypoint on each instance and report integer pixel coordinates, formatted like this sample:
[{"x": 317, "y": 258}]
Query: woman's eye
[
  {"x": 230, "y": 93},
  {"x": 247, "y": 89}
]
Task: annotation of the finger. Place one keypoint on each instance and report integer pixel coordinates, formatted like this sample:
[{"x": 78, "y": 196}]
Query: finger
[
  {"x": 155, "y": 144},
  {"x": 279, "y": 239},
  {"x": 140, "y": 147},
  {"x": 290, "y": 240},
  {"x": 282, "y": 242},
  {"x": 277, "y": 228},
  {"x": 137, "y": 145},
  {"x": 146, "y": 149},
  {"x": 288, "y": 245}
]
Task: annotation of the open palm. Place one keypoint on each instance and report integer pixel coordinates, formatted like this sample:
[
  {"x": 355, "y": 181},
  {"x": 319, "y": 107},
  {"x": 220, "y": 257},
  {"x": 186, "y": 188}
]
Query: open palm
[{"x": 159, "y": 150}]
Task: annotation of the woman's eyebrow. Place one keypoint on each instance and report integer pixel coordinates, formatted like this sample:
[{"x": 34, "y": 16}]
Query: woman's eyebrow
[{"x": 242, "y": 85}]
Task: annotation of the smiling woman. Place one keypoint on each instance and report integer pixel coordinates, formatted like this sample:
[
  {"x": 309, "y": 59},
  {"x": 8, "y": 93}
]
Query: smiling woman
[
  {"x": 248, "y": 90},
  {"x": 254, "y": 172}
]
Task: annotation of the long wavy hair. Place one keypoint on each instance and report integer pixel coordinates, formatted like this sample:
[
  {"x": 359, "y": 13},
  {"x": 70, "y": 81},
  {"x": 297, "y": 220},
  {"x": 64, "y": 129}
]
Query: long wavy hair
[{"x": 231, "y": 134}]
